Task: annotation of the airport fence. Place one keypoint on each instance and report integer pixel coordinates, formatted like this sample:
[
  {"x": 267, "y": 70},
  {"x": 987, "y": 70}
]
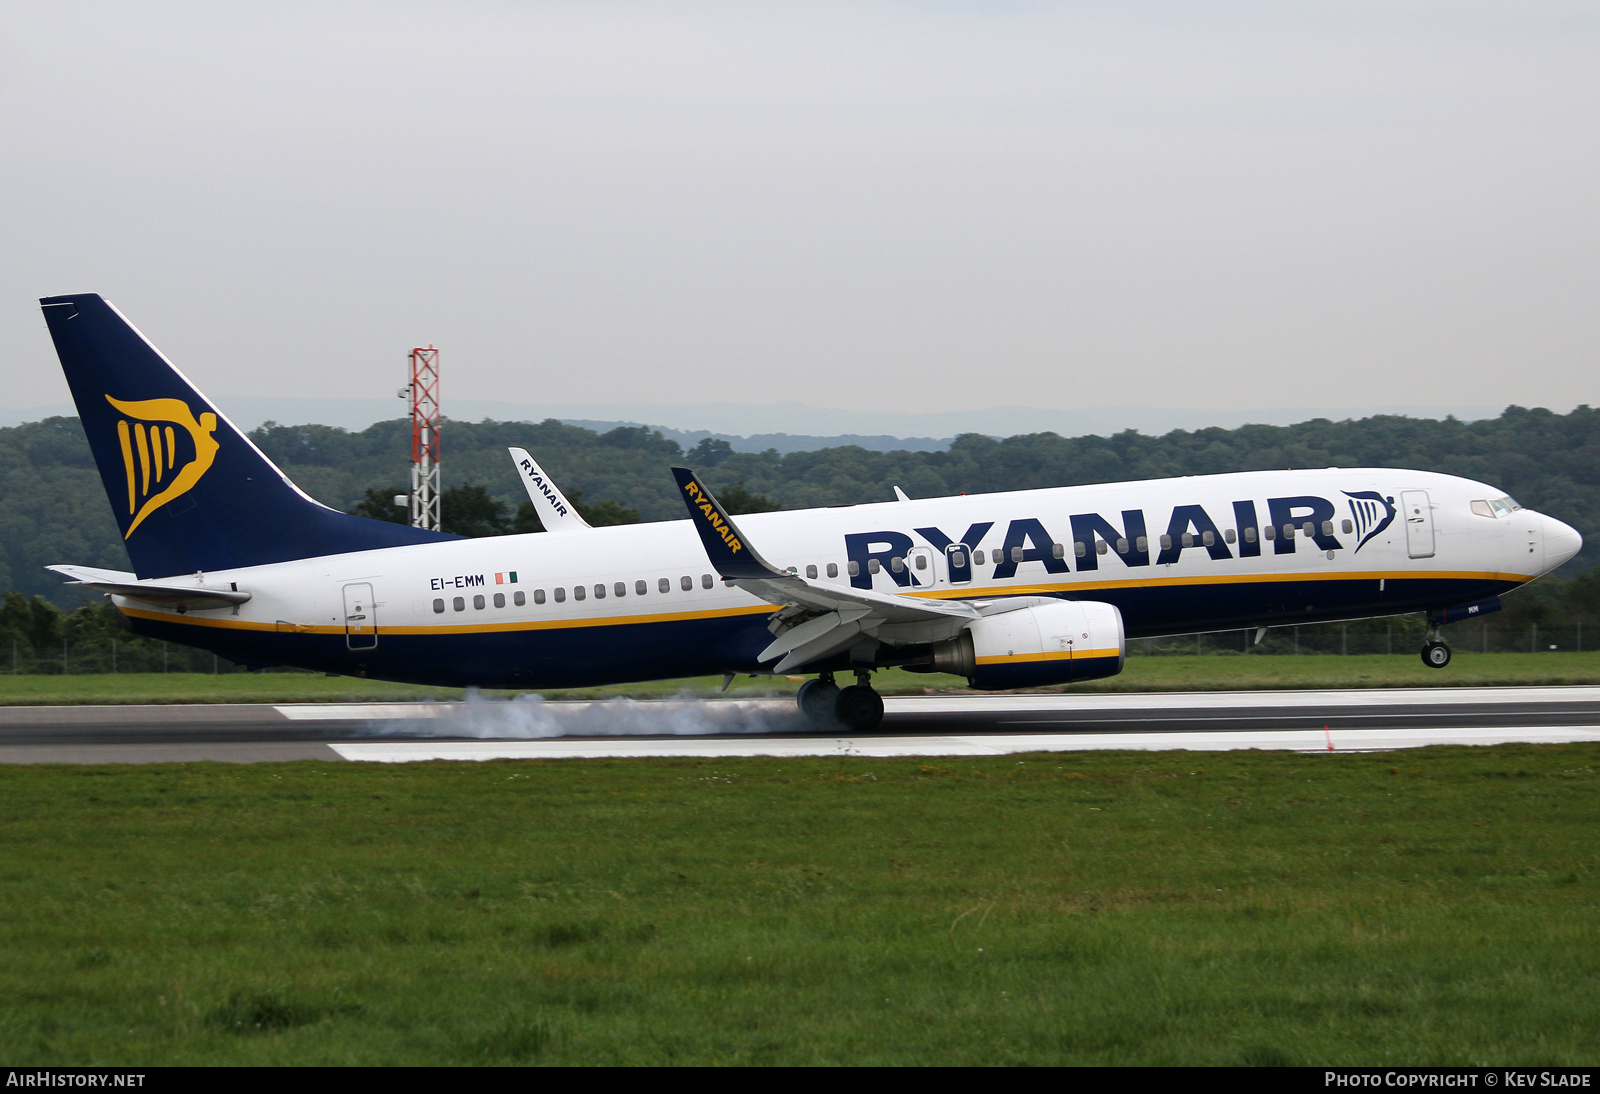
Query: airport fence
[{"x": 1369, "y": 637}]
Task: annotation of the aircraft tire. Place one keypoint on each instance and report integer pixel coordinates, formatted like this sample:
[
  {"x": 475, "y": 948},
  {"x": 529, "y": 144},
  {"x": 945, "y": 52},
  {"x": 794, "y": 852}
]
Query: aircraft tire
[
  {"x": 1436, "y": 655},
  {"x": 817, "y": 699},
  {"x": 858, "y": 708}
]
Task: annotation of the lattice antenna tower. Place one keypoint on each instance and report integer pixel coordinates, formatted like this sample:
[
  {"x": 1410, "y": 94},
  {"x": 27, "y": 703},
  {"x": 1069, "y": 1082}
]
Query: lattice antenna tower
[{"x": 424, "y": 393}]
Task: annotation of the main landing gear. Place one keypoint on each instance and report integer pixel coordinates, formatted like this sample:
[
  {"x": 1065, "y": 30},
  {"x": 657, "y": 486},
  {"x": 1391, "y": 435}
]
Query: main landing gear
[{"x": 858, "y": 708}]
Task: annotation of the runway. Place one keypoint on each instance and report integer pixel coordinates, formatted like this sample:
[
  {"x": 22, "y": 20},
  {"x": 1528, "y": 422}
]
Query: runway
[{"x": 938, "y": 725}]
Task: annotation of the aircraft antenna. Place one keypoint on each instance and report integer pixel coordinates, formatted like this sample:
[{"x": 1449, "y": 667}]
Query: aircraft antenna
[{"x": 424, "y": 393}]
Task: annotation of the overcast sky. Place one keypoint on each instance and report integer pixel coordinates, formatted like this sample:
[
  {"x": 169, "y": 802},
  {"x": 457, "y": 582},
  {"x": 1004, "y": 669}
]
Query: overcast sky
[{"x": 919, "y": 207}]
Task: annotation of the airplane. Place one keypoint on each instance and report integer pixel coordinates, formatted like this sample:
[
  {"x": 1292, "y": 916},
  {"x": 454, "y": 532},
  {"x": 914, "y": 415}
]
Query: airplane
[{"x": 1014, "y": 589}]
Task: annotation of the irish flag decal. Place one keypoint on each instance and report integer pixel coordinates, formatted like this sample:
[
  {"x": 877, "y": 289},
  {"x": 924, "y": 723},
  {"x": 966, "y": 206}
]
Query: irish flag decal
[{"x": 507, "y": 578}]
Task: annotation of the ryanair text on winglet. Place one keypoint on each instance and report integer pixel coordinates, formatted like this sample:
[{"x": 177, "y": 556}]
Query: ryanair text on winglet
[
  {"x": 714, "y": 518},
  {"x": 538, "y": 480}
]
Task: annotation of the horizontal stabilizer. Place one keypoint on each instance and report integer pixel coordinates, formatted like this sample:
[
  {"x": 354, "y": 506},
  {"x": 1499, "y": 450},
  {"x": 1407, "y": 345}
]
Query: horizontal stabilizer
[
  {"x": 185, "y": 595},
  {"x": 556, "y": 513}
]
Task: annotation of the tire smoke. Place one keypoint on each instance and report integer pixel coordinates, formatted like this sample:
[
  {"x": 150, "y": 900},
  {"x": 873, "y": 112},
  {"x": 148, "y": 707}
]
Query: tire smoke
[{"x": 531, "y": 717}]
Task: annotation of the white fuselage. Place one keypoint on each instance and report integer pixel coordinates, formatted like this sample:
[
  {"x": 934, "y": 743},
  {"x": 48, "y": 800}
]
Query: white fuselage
[{"x": 507, "y": 611}]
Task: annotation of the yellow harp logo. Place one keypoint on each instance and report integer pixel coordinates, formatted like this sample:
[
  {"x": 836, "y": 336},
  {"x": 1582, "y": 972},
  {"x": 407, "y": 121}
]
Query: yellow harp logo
[{"x": 157, "y": 472}]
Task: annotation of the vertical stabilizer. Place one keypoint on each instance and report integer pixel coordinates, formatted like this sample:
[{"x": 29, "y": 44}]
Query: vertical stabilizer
[{"x": 189, "y": 490}]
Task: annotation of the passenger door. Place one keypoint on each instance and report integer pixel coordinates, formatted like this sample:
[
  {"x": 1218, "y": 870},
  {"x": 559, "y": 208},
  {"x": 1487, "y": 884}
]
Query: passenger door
[{"x": 1419, "y": 523}]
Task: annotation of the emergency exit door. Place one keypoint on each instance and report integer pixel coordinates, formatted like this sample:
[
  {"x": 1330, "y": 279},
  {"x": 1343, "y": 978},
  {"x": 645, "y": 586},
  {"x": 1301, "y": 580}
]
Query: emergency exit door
[{"x": 360, "y": 617}]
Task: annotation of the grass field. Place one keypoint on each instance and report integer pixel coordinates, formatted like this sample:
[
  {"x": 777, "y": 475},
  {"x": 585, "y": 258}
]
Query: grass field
[
  {"x": 1222, "y": 672},
  {"x": 1431, "y": 907}
]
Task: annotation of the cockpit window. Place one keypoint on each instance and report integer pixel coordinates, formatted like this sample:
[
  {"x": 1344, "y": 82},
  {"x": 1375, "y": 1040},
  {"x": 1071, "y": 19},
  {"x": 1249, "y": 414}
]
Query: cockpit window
[{"x": 1496, "y": 507}]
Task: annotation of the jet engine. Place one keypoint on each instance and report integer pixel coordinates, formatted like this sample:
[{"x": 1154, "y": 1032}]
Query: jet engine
[{"x": 1058, "y": 643}]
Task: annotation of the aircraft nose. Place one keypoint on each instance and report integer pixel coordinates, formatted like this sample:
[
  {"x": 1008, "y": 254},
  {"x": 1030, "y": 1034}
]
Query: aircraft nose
[{"x": 1561, "y": 542}]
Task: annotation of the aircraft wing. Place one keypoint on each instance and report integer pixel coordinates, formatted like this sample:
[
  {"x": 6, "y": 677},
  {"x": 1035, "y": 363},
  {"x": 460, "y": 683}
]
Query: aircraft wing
[
  {"x": 818, "y": 619},
  {"x": 556, "y": 513},
  {"x": 182, "y": 593}
]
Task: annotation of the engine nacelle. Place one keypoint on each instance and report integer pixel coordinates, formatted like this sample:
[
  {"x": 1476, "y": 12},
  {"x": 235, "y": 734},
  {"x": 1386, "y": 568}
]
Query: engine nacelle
[{"x": 1059, "y": 643}]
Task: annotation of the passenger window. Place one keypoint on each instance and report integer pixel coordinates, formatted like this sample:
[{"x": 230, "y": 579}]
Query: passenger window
[
  {"x": 1187, "y": 539},
  {"x": 620, "y": 588},
  {"x": 1249, "y": 535},
  {"x": 599, "y": 592},
  {"x": 1229, "y": 535},
  {"x": 1079, "y": 549},
  {"x": 579, "y": 592},
  {"x": 519, "y": 598},
  {"x": 664, "y": 585},
  {"x": 1207, "y": 538},
  {"x": 897, "y": 564},
  {"x": 922, "y": 560},
  {"x": 1288, "y": 531},
  {"x": 1327, "y": 527},
  {"x": 1100, "y": 546},
  {"x": 1308, "y": 529},
  {"x": 1143, "y": 544},
  {"x": 873, "y": 566},
  {"x": 1122, "y": 546},
  {"x": 1269, "y": 533},
  {"x": 811, "y": 571},
  {"x": 1348, "y": 527},
  {"x": 499, "y": 600},
  {"x": 706, "y": 582},
  {"x": 686, "y": 582},
  {"x": 833, "y": 569},
  {"x": 1166, "y": 543},
  {"x": 459, "y": 604},
  {"x": 957, "y": 559},
  {"x": 1058, "y": 550},
  {"x": 855, "y": 568},
  {"x": 438, "y": 606},
  {"x": 1016, "y": 554},
  {"x": 477, "y": 602},
  {"x": 640, "y": 588},
  {"x": 561, "y": 596}
]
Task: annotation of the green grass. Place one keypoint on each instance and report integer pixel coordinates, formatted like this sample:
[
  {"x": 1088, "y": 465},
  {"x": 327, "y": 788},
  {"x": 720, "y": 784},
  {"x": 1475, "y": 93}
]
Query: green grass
[
  {"x": 1219, "y": 672},
  {"x": 1427, "y": 907}
]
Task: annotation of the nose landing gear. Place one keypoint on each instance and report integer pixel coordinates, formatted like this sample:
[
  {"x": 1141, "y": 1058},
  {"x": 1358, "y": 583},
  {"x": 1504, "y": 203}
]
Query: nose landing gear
[{"x": 1435, "y": 654}]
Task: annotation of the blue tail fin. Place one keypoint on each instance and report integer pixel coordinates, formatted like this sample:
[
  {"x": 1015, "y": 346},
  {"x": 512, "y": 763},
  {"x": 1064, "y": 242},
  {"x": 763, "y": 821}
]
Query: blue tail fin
[{"x": 189, "y": 490}]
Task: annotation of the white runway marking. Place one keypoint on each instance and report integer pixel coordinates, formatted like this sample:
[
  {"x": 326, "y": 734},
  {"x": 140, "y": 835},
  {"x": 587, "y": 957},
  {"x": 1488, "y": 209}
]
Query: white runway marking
[{"x": 1359, "y": 740}]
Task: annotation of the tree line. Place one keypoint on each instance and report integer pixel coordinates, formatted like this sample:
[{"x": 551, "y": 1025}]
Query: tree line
[{"x": 56, "y": 510}]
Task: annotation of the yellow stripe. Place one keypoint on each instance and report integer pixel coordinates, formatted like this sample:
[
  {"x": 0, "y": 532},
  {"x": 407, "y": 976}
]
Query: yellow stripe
[
  {"x": 170, "y": 447},
  {"x": 968, "y": 592},
  {"x": 127, "y": 461},
  {"x": 155, "y": 447},
  {"x": 1003, "y": 659},
  {"x": 144, "y": 460},
  {"x": 229, "y": 623}
]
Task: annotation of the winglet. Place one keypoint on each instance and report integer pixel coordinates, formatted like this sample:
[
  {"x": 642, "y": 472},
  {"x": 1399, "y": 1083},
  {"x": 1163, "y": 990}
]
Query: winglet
[
  {"x": 556, "y": 513},
  {"x": 725, "y": 545}
]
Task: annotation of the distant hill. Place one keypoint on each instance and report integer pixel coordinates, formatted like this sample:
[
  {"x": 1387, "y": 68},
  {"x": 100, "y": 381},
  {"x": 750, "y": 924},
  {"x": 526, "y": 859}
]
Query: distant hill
[{"x": 54, "y": 509}]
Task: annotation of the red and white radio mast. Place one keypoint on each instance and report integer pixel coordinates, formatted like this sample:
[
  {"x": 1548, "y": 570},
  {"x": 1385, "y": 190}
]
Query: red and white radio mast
[{"x": 425, "y": 438}]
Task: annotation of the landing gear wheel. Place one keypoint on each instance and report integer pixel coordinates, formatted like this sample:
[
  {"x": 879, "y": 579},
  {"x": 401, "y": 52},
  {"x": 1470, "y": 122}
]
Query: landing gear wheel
[
  {"x": 1436, "y": 655},
  {"x": 817, "y": 699},
  {"x": 859, "y": 708}
]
